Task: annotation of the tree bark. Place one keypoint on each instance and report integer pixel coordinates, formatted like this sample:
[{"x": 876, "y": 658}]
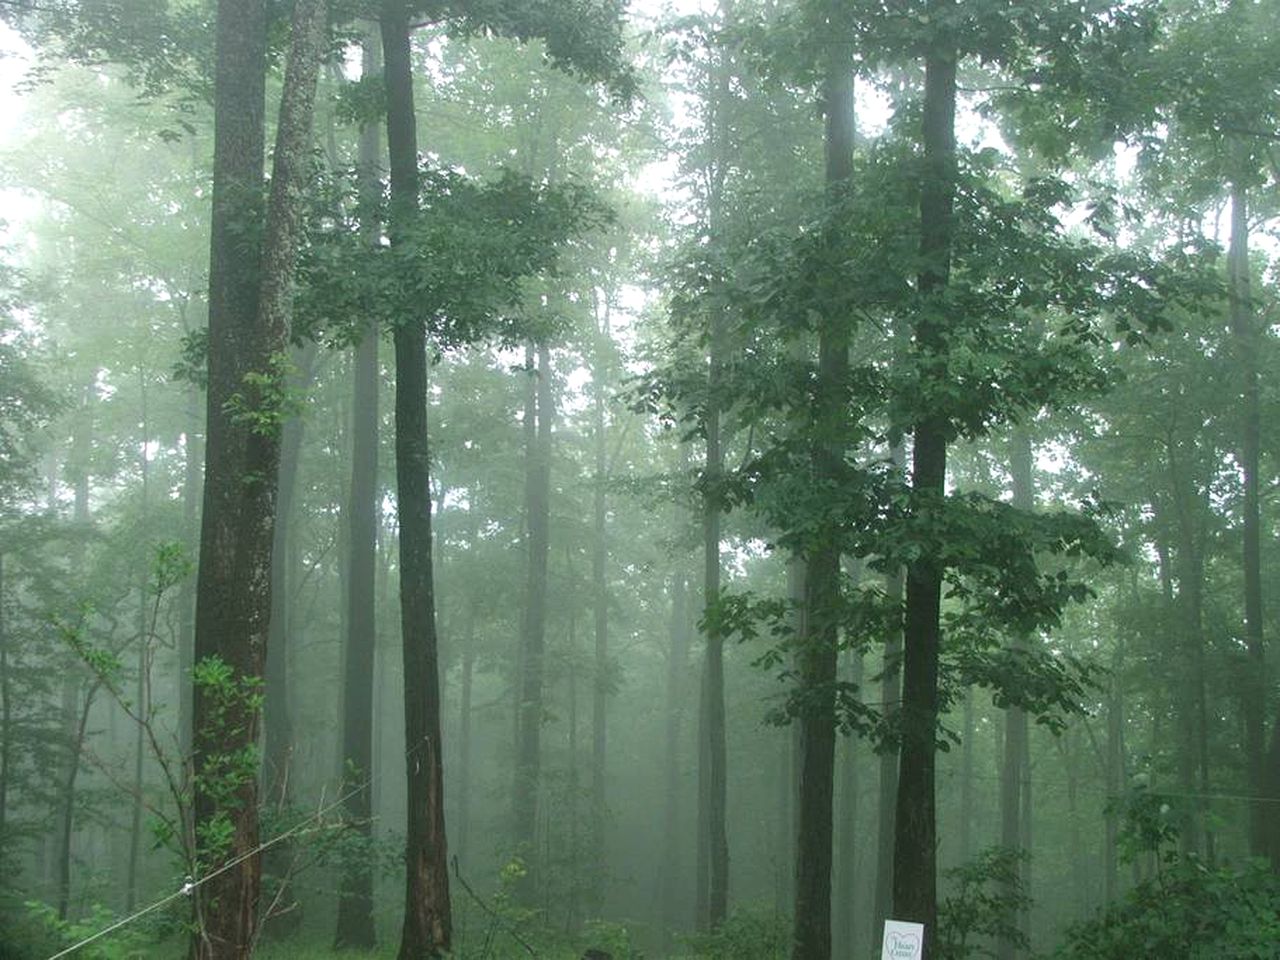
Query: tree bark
[
  {"x": 817, "y": 645},
  {"x": 600, "y": 611},
  {"x": 887, "y": 787},
  {"x": 278, "y": 737},
  {"x": 966, "y": 779},
  {"x": 249, "y": 308},
  {"x": 1254, "y": 686},
  {"x": 355, "y": 928},
  {"x": 529, "y": 746},
  {"x": 6, "y": 717},
  {"x": 846, "y": 936},
  {"x": 712, "y": 771},
  {"x": 671, "y": 869},
  {"x": 192, "y": 474},
  {"x": 915, "y": 895},
  {"x": 1012, "y": 772},
  {"x": 427, "y": 926}
]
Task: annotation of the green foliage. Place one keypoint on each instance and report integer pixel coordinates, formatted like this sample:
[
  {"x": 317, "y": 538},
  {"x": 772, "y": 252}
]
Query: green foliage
[
  {"x": 460, "y": 265},
  {"x": 1187, "y": 911},
  {"x": 748, "y": 933},
  {"x": 583, "y": 37},
  {"x": 267, "y": 399},
  {"x": 985, "y": 902},
  {"x": 127, "y": 944}
]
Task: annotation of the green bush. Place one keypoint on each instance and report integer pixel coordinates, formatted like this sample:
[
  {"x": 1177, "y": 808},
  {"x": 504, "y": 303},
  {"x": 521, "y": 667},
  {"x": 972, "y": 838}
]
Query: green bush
[
  {"x": 747, "y": 934},
  {"x": 1188, "y": 911}
]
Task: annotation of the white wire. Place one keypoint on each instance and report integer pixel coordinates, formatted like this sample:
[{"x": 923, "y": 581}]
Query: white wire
[{"x": 190, "y": 885}]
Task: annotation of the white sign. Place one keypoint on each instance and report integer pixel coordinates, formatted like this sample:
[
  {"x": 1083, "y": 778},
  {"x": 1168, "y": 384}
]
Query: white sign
[{"x": 903, "y": 940}]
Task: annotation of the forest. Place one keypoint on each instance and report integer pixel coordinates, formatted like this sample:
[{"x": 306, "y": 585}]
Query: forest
[{"x": 590, "y": 480}]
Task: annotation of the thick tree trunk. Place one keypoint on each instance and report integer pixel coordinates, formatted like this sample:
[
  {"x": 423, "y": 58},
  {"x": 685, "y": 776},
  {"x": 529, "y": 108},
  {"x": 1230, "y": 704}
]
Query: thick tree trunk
[
  {"x": 355, "y": 927},
  {"x": 818, "y": 640},
  {"x": 427, "y": 926},
  {"x": 915, "y": 895},
  {"x": 529, "y": 745},
  {"x": 249, "y": 307},
  {"x": 248, "y": 319}
]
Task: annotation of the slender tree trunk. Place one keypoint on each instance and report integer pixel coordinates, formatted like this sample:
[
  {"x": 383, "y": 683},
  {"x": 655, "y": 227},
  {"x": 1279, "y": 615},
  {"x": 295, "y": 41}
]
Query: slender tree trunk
[
  {"x": 712, "y": 775},
  {"x": 143, "y": 688},
  {"x": 355, "y": 928},
  {"x": 1192, "y": 715},
  {"x": 1253, "y": 688},
  {"x": 6, "y": 721},
  {"x": 915, "y": 895},
  {"x": 529, "y": 746},
  {"x": 427, "y": 917},
  {"x": 73, "y": 710},
  {"x": 817, "y": 644},
  {"x": 600, "y": 603},
  {"x": 1114, "y": 777},
  {"x": 1012, "y": 772},
  {"x": 887, "y": 796},
  {"x": 573, "y": 882},
  {"x": 278, "y": 736},
  {"x": 846, "y": 938},
  {"x": 702, "y": 841},
  {"x": 671, "y": 869},
  {"x": 192, "y": 470},
  {"x": 966, "y": 779},
  {"x": 78, "y": 736}
]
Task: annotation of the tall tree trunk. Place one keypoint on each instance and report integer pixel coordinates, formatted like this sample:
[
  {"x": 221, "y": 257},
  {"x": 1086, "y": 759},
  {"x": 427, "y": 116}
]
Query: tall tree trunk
[
  {"x": 846, "y": 937},
  {"x": 278, "y": 735},
  {"x": 74, "y": 683},
  {"x": 712, "y": 772},
  {"x": 427, "y": 918},
  {"x": 817, "y": 643},
  {"x": 6, "y": 721},
  {"x": 1254, "y": 686},
  {"x": 355, "y": 928},
  {"x": 1012, "y": 772},
  {"x": 702, "y": 832},
  {"x": 192, "y": 473},
  {"x": 142, "y": 693},
  {"x": 915, "y": 895},
  {"x": 1114, "y": 777},
  {"x": 600, "y": 604},
  {"x": 463, "y": 826},
  {"x": 966, "y": 779},
  {"x": 572, "y": 868},
  {"x": 887, "y": 787},
  {"x": 671, "y": 868},
  {"x": 249, "y": 308},
  {"x": 1192, "y": 715},
  {"x": 529, "y": 746}
]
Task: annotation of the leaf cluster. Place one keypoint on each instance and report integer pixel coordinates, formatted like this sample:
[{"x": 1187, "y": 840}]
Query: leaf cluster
[{"x": 459, "y": 266}]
